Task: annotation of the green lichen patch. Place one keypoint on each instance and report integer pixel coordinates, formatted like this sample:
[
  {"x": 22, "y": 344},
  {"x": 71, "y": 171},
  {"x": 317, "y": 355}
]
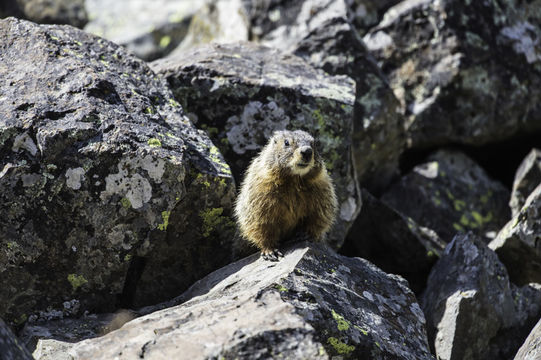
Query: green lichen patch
[
  {"x": 125, "y": 202},
  {"x": 340, "y": 347},
  {"x": 153, "y": 142},
  {"x": 165, "y": 217},
  {"x": 213, "y": 219},
  {"x": 342, "y": 324},
  {"x": 76, "y": 281},
  {"x": 280, "y": 287}
]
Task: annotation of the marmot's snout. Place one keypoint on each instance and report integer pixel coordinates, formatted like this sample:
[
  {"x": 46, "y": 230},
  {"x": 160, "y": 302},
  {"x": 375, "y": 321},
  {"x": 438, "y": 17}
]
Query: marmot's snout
[{"x": 306, "y": 153}]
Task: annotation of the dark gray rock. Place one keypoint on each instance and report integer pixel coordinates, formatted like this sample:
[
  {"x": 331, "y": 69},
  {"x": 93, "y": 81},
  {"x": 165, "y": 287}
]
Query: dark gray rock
[
  {"x": 472, "y": 310},
  {"x": 102, "y": 177},
  {"x": 518, "y": 244},
  {"x": 464, "y": 72},
  {"x": 450, "y": 193},
  {"x": 378, "y": 127},
  {"x": 531, "y": 349},
  {"x": 240, "y": 93},
  {"x": 393, "y": 242},
  {"x": 311, "y": 304},
  {"x": 149, "y": 29},
  {"x": 527, "y": 178},
  {"x": 10, "y": 347},
  {"x": 71, "y": 12},
  {"x": 321, "y": 32}
]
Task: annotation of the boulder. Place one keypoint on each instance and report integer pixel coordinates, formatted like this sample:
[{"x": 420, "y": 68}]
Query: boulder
[
  {"x": 240, "y": 93},
  {"x": 393, "y": 242},
  {"x": 321, "y": 32},
  {"x": 527, "y": 178},
  {"x": 472, "y": 310},
  {"x": 150, "y": 30},
  {"x": 71, "y": 12},
  {"x": 518, "y": 244},
  {"x": 311, "y": 304},
  {"x": 10, "y": 347},
  {"x": 464, "y": 72},
  {"x": 531, "y": 349},
  {"x": 450, "y": 193},
  {"x": 102, "y": 178}
]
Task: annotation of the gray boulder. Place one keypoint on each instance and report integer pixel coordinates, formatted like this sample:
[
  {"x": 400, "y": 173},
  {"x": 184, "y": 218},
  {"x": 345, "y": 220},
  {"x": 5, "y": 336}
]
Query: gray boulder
[
  {"x": 321, "y": 32},
  {"x": 527, "y": 178},
  {"x": 531, "y": 349},
  {"x": 464, "y": 72},
  {"x": 71, "y": 12},
  {"x": 472, "y": 310},
  {"x": 10, "y": 347},
  {"x": 149, "y": 29},
  {"x": 312, "y": 304},
  {"x": 450, "y": 193},
  {"x": 393, "y": 242},
  {"x": 102, "y": 177},
  {"x": 240, "y": 93},
  {"x": 518, "y": 244}
]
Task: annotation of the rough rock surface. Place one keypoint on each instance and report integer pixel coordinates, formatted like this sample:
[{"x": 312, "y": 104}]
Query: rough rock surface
[
  {"x": 393, "y": 242},
  {"x": 450, "y": 193},
  {"x": 469, "y": 302},
  {"x": 240, "y": 93},
  {"x": 465, "y": 72},
  {"x": 10, "y": 347},
  {"x": 149, "y": 29},
  {"x": 312, "y": 304},
  {"x": 321, "y": 32},
  {"x": 531, "y": 349},
  {"x": 518, "y": 244},
  {"x": 70, "y": 12},
  {"x": 527, "y": 178},
  {"x": 97, "y": 165}
]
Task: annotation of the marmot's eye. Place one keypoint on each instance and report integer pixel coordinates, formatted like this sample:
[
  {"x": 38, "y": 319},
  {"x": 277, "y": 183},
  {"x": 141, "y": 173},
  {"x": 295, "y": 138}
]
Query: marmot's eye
[{"x": 286, "y": 142}]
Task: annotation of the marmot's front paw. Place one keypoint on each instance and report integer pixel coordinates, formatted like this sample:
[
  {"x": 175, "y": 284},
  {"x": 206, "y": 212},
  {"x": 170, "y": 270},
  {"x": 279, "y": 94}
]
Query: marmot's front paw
[{"x": 271, "y": 255}]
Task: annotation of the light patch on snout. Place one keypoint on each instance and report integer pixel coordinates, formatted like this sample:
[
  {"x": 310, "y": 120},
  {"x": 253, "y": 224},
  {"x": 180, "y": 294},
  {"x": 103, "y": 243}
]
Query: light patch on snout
[{"x": 298, "y": 166}]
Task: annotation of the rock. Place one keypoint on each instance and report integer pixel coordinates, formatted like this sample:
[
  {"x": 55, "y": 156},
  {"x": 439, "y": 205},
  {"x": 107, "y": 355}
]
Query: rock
[
  {"x": 518, "y": 244},
  {"x": 150, "y": 30},
  {"x": 470, "y": 304},
  {"x": 531, "y": 349},
  {"x": 464, "y": 72},
  {"x": 10, "y": 347},
  {"x": 240, "y": 93},
  {"x": 102, "y": 178},
  {"x": 311, "y": 304},
  {"x": 527, "y": 178},
  {"x": 320, "y": 32},
  {"x": 378, "y": 126},
  {"x": 450, "y": 193},
  {"x": 393, "y": 242},
  {"x": 71, "y": 12}
]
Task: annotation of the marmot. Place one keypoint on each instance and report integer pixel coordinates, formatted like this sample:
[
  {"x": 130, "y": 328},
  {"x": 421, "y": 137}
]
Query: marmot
[{"x": 286, "y": 191}]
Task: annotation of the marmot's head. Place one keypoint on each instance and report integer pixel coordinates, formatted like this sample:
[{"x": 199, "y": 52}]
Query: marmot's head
[{"x": 294, "y": 152}]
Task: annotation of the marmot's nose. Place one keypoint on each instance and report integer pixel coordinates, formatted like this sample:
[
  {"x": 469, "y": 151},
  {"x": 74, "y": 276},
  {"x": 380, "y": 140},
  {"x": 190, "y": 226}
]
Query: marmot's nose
[{"x": 306, "y": 153}]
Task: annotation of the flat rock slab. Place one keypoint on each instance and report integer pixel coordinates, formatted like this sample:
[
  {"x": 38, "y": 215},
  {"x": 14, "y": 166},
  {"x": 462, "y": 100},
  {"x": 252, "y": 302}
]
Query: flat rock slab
[
  {"x": 100, "y": 171},
  {"x": 518, "y": 244},
  {"x": 312, "y": 304},
  {"x": 242, "y": 92},
  {"x": 450, "y": 194},
  {"x": 464, "y": 72}
]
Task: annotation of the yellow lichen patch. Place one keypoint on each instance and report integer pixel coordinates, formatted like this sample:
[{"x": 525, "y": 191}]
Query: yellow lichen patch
[
  {"x": 341, "y": 323},
  {"x": 154, "y": 142},
  {"x": 212, "y": 219},
  {"x": 165, "y": 217},
  {"x": 340, "y": 347},
  {"x": 76, "y": 281}
]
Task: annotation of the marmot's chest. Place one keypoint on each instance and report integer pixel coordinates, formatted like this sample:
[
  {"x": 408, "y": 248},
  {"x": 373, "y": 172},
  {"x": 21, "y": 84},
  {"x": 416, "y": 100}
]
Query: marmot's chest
[{"x": 295, "y": 200}]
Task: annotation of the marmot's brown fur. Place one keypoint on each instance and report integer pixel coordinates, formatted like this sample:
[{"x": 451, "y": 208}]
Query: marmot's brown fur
[{"x": 286, "y": 190}]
